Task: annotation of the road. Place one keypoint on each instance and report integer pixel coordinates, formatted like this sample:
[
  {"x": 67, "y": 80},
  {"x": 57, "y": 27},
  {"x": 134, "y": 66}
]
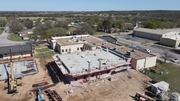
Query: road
[
  {"x": 154, "y": 49},
  {"x": 4, "y": 41}
]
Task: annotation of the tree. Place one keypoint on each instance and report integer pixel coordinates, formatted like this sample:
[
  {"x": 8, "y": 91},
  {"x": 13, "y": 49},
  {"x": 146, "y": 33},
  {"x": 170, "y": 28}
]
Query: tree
[
  {"x": 117, "y": 24},
  {"x": 15, "y": 25},
  {"x": 152, "y": 25},
  {"x": 28, "y": 23},
  {"x": 166, "y": 55},
  {"x": 3, "y": 23},
  {"x": 61, "y": 24},
  {"x": 57, "y": 31},
  {"x": 106, "y": 25},
  {"x": 85, "y": 29}
]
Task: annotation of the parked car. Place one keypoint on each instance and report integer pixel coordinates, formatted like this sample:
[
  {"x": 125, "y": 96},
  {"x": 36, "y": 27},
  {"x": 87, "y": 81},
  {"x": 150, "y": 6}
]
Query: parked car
[
  {"x": 148, "y": 51},
  {"x": 128, "y": 38},
  {"x": 175, "y": 60}
]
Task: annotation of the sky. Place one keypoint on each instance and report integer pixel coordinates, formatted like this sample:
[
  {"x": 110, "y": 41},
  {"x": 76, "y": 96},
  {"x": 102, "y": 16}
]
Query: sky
[{"x": 88, "y": 5}]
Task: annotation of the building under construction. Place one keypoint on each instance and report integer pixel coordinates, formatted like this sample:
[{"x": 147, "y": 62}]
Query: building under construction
[
  {"x": 21, "y": 68},
  {"x": 91, "y": 65}
]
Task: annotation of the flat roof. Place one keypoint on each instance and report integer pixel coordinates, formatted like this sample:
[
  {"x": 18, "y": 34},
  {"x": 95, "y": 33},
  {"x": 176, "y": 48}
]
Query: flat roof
[
  {"x": 157, "y": 31},
  {"x": 21, "y": 68},
  {"x": 123, "y": 50},
  {"x": 173, "y": 37},
  {"x": 15, "y": 48},
  {"x": 78, "y": 62},
  {"x": 78, "y": 39}
]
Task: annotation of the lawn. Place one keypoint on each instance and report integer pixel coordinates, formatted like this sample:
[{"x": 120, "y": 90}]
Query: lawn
[
  {"x": 1, "y": 31},
  {"x": 99, "y": 33},
  {"x": 2, "y": 18},
  {"x": 42, "y": 51},
  {"x": 47, "y": 54},
  {"x": 123, "y": 44},
  {"x": 71, "y": 29},
  {"x": 31, "y": 18},
  {"x": 166, "y": 72},
  {"x": 14, "y": 37}
]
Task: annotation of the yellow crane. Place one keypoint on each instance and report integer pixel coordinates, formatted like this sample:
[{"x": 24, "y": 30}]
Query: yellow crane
[{"x": 12, "y": 82}]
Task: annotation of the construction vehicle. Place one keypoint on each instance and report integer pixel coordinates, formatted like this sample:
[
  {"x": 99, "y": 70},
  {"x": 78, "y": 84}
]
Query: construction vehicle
[
  {"x": 142, "y": 97},
  {"x": 40, "y": 96},
  {"x": 12, "y": 82}
]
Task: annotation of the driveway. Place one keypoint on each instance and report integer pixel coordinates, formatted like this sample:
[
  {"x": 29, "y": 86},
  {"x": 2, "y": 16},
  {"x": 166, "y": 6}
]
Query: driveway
[{"x": 5, "y": 42}]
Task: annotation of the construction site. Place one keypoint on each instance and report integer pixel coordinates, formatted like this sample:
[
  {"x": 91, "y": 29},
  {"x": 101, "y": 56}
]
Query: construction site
[
  {"x": 120, "y": 87},
  {"x": 91, "y": 75}
]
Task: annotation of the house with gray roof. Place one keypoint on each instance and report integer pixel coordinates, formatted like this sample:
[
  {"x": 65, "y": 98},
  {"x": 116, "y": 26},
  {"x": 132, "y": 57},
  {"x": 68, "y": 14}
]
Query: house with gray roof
[{"x": 18, "y": 51}]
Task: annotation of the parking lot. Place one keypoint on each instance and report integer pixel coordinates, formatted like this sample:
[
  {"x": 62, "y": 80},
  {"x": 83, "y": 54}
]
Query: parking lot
[{"x": 137, "y": 39}]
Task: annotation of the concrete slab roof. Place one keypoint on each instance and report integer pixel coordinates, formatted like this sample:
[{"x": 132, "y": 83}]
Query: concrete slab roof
[
  {"x": 19, "y": 68},
  {"x": 156, "y": 31},
  {"x": 123, "y": 50},
  {"x": 78, "y": 62},
  {"x": 78, "y": 39}
]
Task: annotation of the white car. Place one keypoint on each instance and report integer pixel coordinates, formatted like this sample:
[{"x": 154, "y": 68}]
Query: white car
[
  {"x": 148, "y": 50},
  {"x": 175, "y": 60}
]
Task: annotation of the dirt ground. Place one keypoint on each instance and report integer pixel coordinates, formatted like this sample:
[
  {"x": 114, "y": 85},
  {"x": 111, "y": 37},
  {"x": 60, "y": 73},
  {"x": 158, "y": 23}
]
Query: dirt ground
[
  {"x": 121, "y": 89},
  {"x": 27, "y": 81}
]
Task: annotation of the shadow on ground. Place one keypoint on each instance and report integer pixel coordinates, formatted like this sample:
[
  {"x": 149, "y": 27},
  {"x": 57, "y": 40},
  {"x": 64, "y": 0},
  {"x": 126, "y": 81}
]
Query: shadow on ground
[
  {"x": 177, "y": 51},
  {"x": 55, "y": 74}
]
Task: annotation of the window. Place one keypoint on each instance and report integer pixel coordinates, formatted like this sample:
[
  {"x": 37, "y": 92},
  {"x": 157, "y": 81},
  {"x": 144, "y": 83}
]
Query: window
[
  {"x": 75, "y": 79},
  {"x": 69, "y": 49},
  {"x": 62, "y": 50},
  {"x": 78, "y": 48},
  {"x": 66, "y": 50}
]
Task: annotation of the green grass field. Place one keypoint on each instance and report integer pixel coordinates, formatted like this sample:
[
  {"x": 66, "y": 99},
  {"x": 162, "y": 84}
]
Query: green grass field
[
  {"x": 14, "y": 37},
  {"x": 123, "y": 44},
  {"x": 99, "y": 33},
  {"x": 166, "y": 72},
  {"x": 71, "y": 29},
  {"x": 2, "y": 18},
  {"x": 47, "y": 54},
  {"x": 31, "y": 18},
  {"x": 42, "y": 51},
  {"x": 1, "y": 31}
]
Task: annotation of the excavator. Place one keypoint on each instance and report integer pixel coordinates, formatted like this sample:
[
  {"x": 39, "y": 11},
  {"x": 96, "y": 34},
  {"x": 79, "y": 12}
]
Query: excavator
[{"x": 12, "y": 82}]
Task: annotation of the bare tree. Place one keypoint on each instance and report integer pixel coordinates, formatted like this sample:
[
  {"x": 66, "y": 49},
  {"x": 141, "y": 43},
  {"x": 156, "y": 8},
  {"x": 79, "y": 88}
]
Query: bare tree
[
  {"x": 28, "y": 23},
  {"x": 166, "y": 55},
  {"x": 15, "y": 25}
]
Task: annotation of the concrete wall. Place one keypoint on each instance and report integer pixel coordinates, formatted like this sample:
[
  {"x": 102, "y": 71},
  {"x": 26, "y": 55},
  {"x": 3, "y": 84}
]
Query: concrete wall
[
  {"x": 144, "y": 63},
  {"x": 147, "y": 35},
  {"x": 70, "y": 48},
  {"x": 17, "y": 55},
  {"x": 53, "y": 44},
  {"x": 169, "y": 42},
  {"x": 150, "y": 61}
]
